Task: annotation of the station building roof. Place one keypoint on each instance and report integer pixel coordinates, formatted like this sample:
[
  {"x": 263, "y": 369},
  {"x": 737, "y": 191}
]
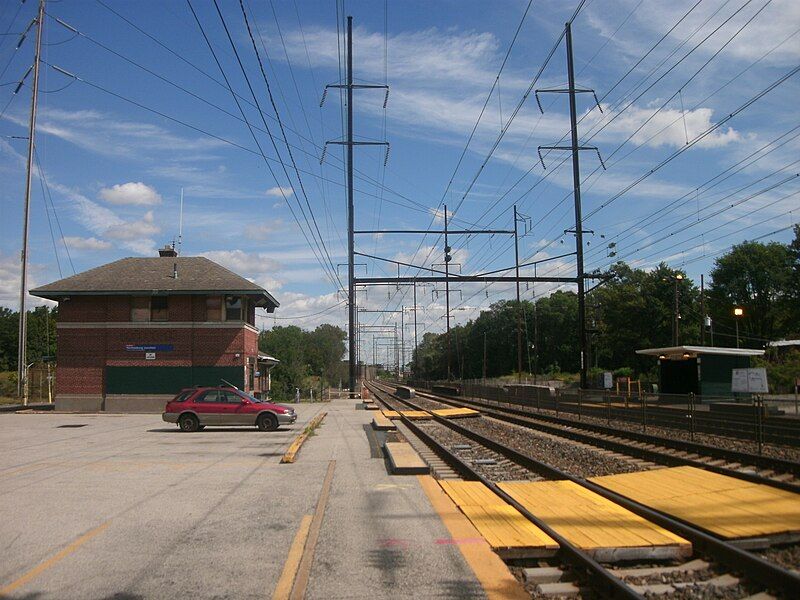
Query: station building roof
[
  {"x": 157, "y": 276},
  {"x": 693, "y": 351}
]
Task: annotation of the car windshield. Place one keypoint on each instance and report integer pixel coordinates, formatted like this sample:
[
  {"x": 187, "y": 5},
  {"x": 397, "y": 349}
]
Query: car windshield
[{"x": 251, "y": 398}]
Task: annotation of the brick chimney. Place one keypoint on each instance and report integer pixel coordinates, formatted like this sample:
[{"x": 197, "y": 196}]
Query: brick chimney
[{"x": 168, "y": 251}]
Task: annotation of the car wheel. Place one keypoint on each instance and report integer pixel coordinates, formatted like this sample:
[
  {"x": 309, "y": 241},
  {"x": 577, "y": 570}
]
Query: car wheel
[
  {"x": 189, "y": 423},
  {"x": 267, "y": 422}
]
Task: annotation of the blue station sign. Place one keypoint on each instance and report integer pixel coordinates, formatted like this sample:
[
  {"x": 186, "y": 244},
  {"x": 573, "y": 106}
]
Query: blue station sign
[{"x": 149, "y": 347}]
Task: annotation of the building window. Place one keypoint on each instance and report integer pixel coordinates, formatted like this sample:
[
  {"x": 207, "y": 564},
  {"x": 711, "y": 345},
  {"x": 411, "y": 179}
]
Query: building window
[
  {"x": 233, "y": 308},
  {"x": 214, "y": 308},
  {"x": 159, "y": 308},
  {"x": 251, "y": 312},
  {"x": 140, "y": 309}
]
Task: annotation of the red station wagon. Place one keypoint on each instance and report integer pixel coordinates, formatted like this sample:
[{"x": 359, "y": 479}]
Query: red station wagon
[{"x": 195, "y": 408}]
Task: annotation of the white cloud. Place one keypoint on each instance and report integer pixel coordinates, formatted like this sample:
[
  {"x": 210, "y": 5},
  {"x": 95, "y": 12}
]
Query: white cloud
[
  {"x": 90, "y": 243},
  {"x": 134, "y": 230},
  {"x": 438, "y": 214},
  {"x": 259, "y": 231},
  {"x": 9, "y": 283},
  {"x": 258, "y": 267},
  {"x": 106, "y": 134},
  {"x": 279, "y": 191},
  {"x": 136, "y": 193},
  {"x": 669, "y": 127}
]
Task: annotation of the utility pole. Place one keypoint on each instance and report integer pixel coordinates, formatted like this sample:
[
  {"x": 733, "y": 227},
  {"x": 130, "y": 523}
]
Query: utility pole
[
  {"x": 576, "y": 178},
  {"x": 519, "y": 302},
  {"x": 349, "y": 142},
  {"x": 484, "y": 358},
  {"x": 351, "y": 288},
  {"x": 702, "y": 310},
  {"x": 447, "y": 258},
  {"x": 575, "y": 149},
  {"x": 22, "y": 367},
  {"x": 402, "y": 341},
  {"x": 415, "y": 320},
  {"x": 535, "y": 333}
]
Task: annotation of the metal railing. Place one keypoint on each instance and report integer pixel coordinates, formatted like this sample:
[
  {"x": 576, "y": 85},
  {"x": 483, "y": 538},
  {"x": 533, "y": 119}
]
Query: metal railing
[{"x": 754, "y": 419}]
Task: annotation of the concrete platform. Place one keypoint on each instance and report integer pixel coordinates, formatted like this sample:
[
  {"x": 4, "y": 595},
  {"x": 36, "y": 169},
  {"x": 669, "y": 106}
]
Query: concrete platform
[
  {"x": 382, "y": 423},
  {"x": 125, "y": 506},
  {"x": 456, "y": 413},
  {"x": 601, "y": 528},
  {"x": 416, "y": 414},
  {"x": 404, "y": 460},
  {"x": 729, "y": 507}
]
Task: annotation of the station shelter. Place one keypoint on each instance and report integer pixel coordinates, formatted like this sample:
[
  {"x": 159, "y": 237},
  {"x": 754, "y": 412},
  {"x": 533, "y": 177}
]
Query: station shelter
[
  {"x": 702, "y": 370},
  {"x": 134, "y": 332}
]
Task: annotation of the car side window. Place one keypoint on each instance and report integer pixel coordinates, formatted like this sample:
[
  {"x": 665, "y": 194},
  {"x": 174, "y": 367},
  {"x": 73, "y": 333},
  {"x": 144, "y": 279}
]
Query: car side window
[
  {"x": 230, "y": 397},
  {"x": 209, "y": 396}
]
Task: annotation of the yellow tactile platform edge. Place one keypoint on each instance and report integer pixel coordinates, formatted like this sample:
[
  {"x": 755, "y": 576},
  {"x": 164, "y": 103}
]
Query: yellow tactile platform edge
[
  {"x": 586, "y": 519},
  {"x": 727, "y": 506},
  {"x": 500, "y": 524}
]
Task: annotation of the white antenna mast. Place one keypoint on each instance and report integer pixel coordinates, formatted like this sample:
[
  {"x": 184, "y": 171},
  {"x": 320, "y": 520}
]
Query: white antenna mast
[{"x": 180, "y": 225}]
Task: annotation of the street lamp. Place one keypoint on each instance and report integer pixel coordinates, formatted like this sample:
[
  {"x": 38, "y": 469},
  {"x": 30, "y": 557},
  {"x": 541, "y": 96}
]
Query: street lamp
[
  {"x": 676, "y": 332},
  {"x": 738, "y": 313}
]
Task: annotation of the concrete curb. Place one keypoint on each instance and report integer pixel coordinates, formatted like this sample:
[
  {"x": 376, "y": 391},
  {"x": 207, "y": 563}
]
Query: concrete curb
[{"x": 18, "y": 407}]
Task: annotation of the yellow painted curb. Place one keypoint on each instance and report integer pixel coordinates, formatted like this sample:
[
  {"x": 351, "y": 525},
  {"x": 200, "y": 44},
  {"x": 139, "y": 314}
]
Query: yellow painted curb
[{"x": 294, "y": 448}]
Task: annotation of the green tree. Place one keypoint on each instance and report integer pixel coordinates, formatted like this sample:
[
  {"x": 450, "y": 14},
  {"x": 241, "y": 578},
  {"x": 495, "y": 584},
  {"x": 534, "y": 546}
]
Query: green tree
[
  {"x": 636, "y": 310},
  {"x": 41, "y": 335},
  {"x": 761, "y": 279},
  {"x": 287, "y": 344}
]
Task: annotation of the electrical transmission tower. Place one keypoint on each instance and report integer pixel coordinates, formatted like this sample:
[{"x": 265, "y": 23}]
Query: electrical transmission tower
[
  {"x": 575, "y": 148},
  {"x": 349, "y": 143}
]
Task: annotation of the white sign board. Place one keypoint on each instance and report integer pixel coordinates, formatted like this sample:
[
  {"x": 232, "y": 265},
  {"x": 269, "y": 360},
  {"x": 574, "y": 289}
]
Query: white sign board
[
  {"x": 749, "y": 381},
  {"x": 608, "y": 380},
  {"x": 149, "y": 355}
]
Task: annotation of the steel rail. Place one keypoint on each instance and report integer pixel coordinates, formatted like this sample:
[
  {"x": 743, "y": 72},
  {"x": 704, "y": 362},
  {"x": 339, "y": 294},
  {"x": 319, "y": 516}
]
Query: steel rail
[
  {"x": 771, "y": 575},
  {"x": 610, "y": 585},
  {"x": 766, "y": 462}
]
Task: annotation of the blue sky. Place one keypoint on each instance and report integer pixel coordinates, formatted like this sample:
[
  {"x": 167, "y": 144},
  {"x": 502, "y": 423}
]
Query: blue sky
[{"x": 115, "y": 170}]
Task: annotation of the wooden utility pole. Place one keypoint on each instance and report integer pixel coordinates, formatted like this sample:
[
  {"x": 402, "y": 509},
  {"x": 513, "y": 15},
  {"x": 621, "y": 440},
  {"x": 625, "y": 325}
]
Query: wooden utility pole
[{"x": 22, "y": 366}]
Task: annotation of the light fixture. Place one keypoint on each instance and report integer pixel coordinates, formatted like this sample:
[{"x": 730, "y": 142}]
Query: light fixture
[
  {"x": 686, "y": 355},
  {"x": 662, "y": 357},
  {"x": 738, "y": 311},
  {"x": 679, "y": 276}
]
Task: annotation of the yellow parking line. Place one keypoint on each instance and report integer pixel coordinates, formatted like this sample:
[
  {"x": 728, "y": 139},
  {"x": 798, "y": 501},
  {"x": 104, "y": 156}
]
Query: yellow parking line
[
  {"x": 36, "y": 571},
  {"x": 284, "y": 588}
]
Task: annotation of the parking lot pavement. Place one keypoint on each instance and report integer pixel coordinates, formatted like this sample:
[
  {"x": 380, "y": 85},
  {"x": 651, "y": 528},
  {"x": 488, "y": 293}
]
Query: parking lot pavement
[{"x": 126, "y": 506}]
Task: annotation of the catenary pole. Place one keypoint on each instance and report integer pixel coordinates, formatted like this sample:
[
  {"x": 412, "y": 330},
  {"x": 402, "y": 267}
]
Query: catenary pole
[
  {"x": 519, "y": 302},
  {"x": 447, "y": 292},
  {"x": 576, "y": 179},
  {"x": 351, "y": 290},
  {"x": 22, "y": 367}
]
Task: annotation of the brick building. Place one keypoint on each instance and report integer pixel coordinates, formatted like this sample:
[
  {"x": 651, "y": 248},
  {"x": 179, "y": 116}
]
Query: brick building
[{"x": 133, "y": 332}]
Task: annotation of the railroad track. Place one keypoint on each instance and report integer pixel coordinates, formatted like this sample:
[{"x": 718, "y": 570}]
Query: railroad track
[
  {"x": 698, "y": 578},
  {"x": 777, "y": 472}
]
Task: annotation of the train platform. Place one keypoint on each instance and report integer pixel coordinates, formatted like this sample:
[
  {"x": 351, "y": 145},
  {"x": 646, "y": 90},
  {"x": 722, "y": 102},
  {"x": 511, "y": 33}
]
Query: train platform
[
  {"x": 387, "y": 536},
  {"x": 731, "y": 508},
  {"x": 594, "y": 524}
]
